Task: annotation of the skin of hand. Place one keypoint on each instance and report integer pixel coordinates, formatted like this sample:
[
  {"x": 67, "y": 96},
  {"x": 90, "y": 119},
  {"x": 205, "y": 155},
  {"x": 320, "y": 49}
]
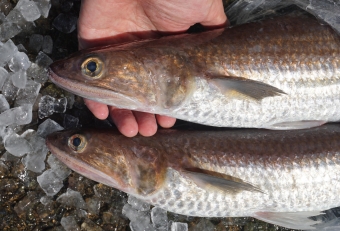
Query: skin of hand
[{"x": 103, "y": 22}]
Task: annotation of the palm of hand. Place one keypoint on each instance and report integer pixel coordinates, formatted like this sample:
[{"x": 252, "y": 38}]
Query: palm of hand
[{"x": 105, "y": 22}]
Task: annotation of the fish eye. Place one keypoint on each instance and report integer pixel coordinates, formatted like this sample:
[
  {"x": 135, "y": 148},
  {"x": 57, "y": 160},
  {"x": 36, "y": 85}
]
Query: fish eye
[
  {"x": 77, "y": 142},
  {"x": 92, "y": 67}
]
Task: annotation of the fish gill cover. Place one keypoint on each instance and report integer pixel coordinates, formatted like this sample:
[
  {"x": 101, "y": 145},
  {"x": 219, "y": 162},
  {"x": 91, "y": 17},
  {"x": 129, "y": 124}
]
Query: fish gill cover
[{"x": 37, "y": 191}]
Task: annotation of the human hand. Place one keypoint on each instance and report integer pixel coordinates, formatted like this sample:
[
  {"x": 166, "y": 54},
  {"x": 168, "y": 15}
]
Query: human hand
[{"x": 103, "y": 22}]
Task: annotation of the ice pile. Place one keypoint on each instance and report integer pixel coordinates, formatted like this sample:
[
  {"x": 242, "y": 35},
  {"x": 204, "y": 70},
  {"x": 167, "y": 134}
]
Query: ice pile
[
  {"x": 17, "y": 62},
  {"x": 22, "y": 16},
  {"x": 51, "y": 180},
  {"x": 139, "y": 214}
]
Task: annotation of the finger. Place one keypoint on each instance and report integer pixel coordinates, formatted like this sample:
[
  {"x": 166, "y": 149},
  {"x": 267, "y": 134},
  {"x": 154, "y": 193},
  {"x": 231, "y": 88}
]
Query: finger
[
  {"x": 165, "y": 121},
  {"x": 147, "y": 123},
  {"x": 125, "y": 121},
  {"x": 99, "y": 110},
  {"x": 216, "y": 15}
]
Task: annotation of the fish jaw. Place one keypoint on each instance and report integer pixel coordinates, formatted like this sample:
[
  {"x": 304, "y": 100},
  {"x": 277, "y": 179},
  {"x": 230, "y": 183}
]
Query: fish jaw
[
  {"x": 93, "y": 93},
  {"x": 57, "y": 144}
]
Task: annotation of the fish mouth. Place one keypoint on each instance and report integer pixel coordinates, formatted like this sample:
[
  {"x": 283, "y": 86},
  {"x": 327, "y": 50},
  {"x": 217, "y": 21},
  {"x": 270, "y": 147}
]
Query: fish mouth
[
  {"x": 77, "y": 165},
  {"x": 94, "y": 93}
]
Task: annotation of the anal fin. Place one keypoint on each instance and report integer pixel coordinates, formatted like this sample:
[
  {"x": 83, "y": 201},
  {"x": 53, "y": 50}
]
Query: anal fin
[
  {"x": 207, "y": 180},
  {"x": 245, "y": 88},
  {"x": 291, "y": 125},
  {"x": 291, "y": 220}
]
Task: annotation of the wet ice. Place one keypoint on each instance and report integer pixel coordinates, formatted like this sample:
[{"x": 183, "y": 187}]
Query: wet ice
[
  {"x": 47, "y": 45},
  {"x": 72, "y": 199},
  {"x": 35, "y": 42},
  {"x": 29, "y": 94},
  {"x": 19, "y": 78},
  {"x": 179, "y": 226},
  {"x": 47, "y": 127},
  {"x": 18, "y": 62},
  {"x": 49, "y": 105},
  {"x": 3, "y": 76},
  {"x": 65, "y": 23},
  {"x": 7, "y": 50},
  {"x": 29, "y": 10},
  {"x": 3, "y": 103},
  {"x": 159, "y": 218},
  {"x": 138, "y": 204},
  {"x": 69, "y": 223},
  {"x": 50, "y": 182}
]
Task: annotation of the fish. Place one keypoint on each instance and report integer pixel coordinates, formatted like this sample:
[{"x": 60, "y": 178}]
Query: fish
[
  {"x": 278, "y": 176},
  {"x": 279, "y": 73}
]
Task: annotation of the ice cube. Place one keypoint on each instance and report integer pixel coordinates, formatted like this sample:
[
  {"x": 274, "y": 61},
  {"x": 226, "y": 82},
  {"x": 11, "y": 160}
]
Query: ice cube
[
  {"x": 47, "y": 45},
  {"x": 2, "y": 17},
  {"x": 140, "y": 220},
  {"x": 204, "y": 224},
  {"x": 39, "y": 74},
  {"x": 93, "y": 205},
  {"x": 19, "y": 78},
  {"x": 29, "y": 94},
  {"x": 72, "y": 199},
  {"x": 8, "y": 30},
  {"x": 23, "y": 114},
  {"x": 47, "y": 127},
  {"x": 90, "y": 226},
  {"x": 69, "y": 224},
  {"x": 18, "y": 115},
  {"x": 43, "y": 60},
  {"x": 21, "y": 48},
  {"x": 16, "y": 145},
  {"x": 9, "y": 90},
  {"x": 60, "y": 105},
  {"x": 46, "y": 106},
  {"x": 70, "y": 121},
  {"x": 59, "y": 167},
  {"x": 29, "y": 10},
  {"x": 7, "y": 50},
  {"x": 65, "y": 23},
  {"x": 179, "y": 226},
  {"x": 50, "y": 182},
  {"x": 3, "y": 76},
  {"x": 44, "y": 7},
  {"x": 3, "y": 103},
  {"x": 138, "y": 204},
  {"x": 45, "y": 200},
  {"x": 15, "y": 16},
  {"x": 19, "y": 61},
  {"x": 159, "y": 218},
  {"x": 35, "y": 160},
  {"x": 35, "y": 42}
]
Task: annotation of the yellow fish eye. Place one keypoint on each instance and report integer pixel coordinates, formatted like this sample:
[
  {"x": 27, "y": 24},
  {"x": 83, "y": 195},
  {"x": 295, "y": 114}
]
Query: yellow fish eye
[
  {"x": 92, "y": 67},
  {"x": 77, "y": 142}
]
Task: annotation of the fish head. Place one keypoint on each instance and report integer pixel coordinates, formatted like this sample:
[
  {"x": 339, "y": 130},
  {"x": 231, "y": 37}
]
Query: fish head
[
  {"x": 110, "y": 76},
  {"x": 109, "y": 158}
]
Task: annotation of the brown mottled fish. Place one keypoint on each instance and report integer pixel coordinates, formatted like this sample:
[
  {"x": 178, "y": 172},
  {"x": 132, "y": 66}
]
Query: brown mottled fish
[
  {"x": 282, "y": 177},
  {"x": 279, "y": 73}
]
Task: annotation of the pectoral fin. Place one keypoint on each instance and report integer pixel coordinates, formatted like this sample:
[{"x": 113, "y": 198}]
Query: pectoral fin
[
  {"x": 208, "y": 179},
  {"x": 242, "y": 87},
  {"x": 291, "y": 220},
  {"x": 303, "y": 124}
]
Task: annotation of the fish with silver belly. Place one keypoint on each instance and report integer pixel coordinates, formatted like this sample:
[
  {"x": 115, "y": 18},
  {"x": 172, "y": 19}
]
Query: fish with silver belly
[
  {"x": 281, "y": 177},
  {"x": 279, "y": 73}
]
